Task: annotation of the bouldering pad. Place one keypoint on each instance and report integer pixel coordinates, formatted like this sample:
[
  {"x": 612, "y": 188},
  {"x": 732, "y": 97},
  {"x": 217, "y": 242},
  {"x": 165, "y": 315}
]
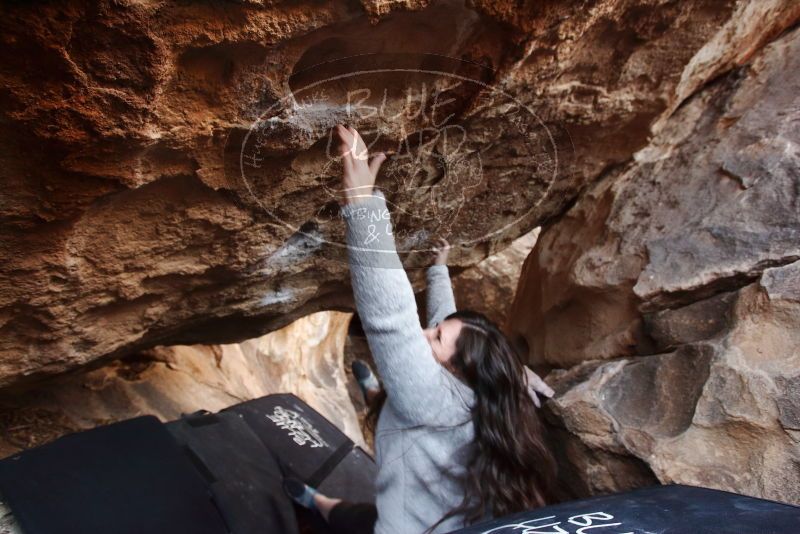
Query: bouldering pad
[
  {"x": 670, "y": 509},
  {"x": 241, "y": 472},
  {"x": 310, "y": 447},
  {"x": 126, "y": 478}
]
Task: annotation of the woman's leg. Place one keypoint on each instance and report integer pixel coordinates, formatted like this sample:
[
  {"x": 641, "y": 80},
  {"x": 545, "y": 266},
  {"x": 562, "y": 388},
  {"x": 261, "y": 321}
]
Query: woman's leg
[
  {"x": 367, "y": 381},
  {"x": 325, "y": 504},
  {"x": 352, "y": 518},
  {"x": 342, "y": 516}
]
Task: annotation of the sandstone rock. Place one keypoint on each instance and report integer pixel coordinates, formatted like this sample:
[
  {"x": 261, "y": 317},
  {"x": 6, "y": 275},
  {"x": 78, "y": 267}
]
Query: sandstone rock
[
  {"x": 720, "y": 412},
  {"x": 168, "y": 181},
  {"x": 489, "y": 285},
  {"x": 310, "y": 358},
  {"x": 668, "y": 296},
  {"x": 706, "y": 207},
  {"x": 304, "y": 358},
  {"x": 699, "y": 320},
  {"x": 126, "y": 223}
]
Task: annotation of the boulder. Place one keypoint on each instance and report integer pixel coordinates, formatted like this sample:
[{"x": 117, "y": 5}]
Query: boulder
[
  {"x": 722, "y": 410},
  {"x": 666, "y": 299},
  {"x": 304, "y": 358},
  {"x": 167, "y": 172}
]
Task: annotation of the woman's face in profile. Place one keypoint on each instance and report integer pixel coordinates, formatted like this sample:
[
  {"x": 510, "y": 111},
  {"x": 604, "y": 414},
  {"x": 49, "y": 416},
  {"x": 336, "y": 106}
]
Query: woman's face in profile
[{"x": 442, "y": 339}]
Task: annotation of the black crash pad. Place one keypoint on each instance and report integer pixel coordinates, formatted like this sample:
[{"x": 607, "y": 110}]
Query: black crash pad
[
  {"x": 671, "y": 509},
  {"x": 310, "y": 447},
  {"x": 241, "y": 472},
  {"x": 125, "y": 478}
]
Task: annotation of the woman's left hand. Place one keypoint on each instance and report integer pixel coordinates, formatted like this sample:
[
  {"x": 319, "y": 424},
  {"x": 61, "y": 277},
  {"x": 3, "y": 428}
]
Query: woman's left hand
[{"x": 536, "y": 387}]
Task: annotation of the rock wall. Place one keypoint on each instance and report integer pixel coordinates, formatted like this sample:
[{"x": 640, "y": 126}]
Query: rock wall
[
  {"x": 667, "y": 297},
  {"x": 167, "y": 181},
  {"x": 311, "y": 358},
  {"x": 489, "y": 285},
  {"x": 164, "y": 169},
  {"x": 304, "y": 358}
]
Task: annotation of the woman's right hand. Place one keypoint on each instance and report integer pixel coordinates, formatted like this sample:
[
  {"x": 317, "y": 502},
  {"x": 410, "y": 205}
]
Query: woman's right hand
[
  {"x": 359, "y": 176},
  {"x": 441, "y": 252}
]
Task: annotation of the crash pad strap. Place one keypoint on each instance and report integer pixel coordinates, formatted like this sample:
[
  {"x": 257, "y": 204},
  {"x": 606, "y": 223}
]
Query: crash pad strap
[{"x": 330, "y": 464}]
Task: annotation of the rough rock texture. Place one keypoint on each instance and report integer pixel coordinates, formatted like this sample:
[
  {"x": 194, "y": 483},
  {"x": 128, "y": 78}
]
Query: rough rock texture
[
  {"x": 304, "y": 358},
  {"x": 489, "y": 285},
  {"x": 167, "y": 180},
  {"x": 164, "y": 169},
  {"x": 8, "y": 525},
  {"x": 668, "y": 296}
]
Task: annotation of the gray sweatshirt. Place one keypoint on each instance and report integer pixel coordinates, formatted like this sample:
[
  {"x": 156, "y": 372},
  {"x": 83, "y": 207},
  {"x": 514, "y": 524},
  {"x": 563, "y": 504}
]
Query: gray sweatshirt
[{"x": 424, "y": 433}]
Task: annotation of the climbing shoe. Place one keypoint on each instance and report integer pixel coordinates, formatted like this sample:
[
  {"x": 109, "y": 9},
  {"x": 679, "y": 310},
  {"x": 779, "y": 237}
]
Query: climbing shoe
[
  {"x": 300, "y": 493},
  {"x": 367, "y": 380}
]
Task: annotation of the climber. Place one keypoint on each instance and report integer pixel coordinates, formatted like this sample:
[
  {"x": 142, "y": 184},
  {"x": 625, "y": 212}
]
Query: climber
[{"x": 458, "y": 439}]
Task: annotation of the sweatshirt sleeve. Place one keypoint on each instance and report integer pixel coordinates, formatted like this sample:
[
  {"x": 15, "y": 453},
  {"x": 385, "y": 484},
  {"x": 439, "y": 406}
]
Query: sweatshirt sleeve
[
  {"x": 419, "y": 389},
  {"x": 440, "y": 300}
]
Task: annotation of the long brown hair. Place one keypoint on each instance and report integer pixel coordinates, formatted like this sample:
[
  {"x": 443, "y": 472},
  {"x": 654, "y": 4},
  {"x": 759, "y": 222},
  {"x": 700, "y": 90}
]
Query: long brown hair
[{"x": 511, "y": 469}]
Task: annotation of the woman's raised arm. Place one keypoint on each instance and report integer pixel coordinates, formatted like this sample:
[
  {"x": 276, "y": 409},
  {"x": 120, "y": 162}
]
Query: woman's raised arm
[
  {"x": 440, "y": 300},
  {"x": 416, "y": 385}
]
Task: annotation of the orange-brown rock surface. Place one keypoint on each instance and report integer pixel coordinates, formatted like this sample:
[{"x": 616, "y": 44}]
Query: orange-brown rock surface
[
  {"x": 164, "y": 168},
  {"x": 304, "y": 358},
  {"x": 168, "y": 180},
  {"x": 668, "y": 297}
]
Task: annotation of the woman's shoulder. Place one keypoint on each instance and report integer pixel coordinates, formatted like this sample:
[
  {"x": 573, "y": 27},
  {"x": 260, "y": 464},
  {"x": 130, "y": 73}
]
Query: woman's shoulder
[{"x": 460, "y": 396}]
